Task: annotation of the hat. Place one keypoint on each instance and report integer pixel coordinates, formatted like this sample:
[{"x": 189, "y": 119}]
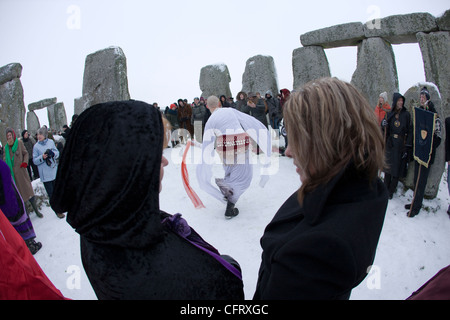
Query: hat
[
  {"x": 43, "y": 131},
  {"x": 384, "y": 96},
  {"x": 425, "y": 92}
]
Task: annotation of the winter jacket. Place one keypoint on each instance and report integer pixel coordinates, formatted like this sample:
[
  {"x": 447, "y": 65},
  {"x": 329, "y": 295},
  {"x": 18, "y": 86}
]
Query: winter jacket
[
  {"x": 198, "y": 112},
  {"x": 29, "y": 143},
  {"x": 380, "y": 113},
  {"x": 48, "y": 167},
  {"x": 184, "y": 118},
  {"x": 399, "y": 139},
  {"x": 129, "y": 248},
  {"x": 21, "y": 177},
  {"x": 322, "y": 249},
  {"x": 241, "y": 105},
  {"x": 260, "y": 111},
  {"x": 273, "y": 106},
  {"x": 172, "y": 117}
]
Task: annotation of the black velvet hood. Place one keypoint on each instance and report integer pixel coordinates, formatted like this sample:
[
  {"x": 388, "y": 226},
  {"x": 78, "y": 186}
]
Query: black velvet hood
[{"x": 108, "y": 175}]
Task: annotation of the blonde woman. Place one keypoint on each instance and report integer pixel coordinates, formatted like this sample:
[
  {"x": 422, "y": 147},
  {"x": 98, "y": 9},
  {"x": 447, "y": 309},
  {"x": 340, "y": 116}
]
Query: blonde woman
[{"x": 323, "y": 239}]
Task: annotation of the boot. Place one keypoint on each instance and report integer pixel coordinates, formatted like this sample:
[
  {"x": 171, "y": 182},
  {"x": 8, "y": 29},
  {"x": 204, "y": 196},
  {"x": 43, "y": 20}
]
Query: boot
[
  {"x": 33, "y": 246},
  {"x": 35, "y": 208},
  {"x": 231, "y": 211}
]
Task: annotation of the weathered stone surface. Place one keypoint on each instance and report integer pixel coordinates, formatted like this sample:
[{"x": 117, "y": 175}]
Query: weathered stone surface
[
  {"x": 105, "y": 77},
  {"x": 33, "y": 123},
  {"x": 412, "y": 97},
  {"x": 56, "y": 116},
  {"x": 12, "y": 108},
  {"x": 443, "y": 21},
  {"x": 309, "y": 63},
  {"x": 376, "y": 70},
  {"x": 215, "y": 80},
  {"x": 41, "y": 104},
  {"x": 80, "y": 104},
  {"x": 435, "y": 48},
  {"x": 260, "y": 75},
  {"x": 347, "y": 34},
  {"x": 399, "y": 29},
  {"x": 9, "y": 72}
]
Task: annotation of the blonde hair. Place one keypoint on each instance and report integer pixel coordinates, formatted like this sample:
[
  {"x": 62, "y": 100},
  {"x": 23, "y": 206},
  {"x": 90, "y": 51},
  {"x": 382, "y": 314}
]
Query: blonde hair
[{"x": 329, "y": 123}]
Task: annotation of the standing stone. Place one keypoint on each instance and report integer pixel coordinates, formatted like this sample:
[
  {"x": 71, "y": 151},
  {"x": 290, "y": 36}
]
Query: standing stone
[
  {"x": 12, "y": 107},
  {"x": 309, "y": 63},
  {"x": 260, "y": 75},
  {"x": 412, "y": 97},
  {"x": 376, "y": 71},
  {"x": 56, "y": 116},
  {"x": 33, "y": 123},
  {"x": 105, "y": 77},
  {"x": 443, "y": 21},
  {"x": 215, "y": 80},
  {"x": 435, "y": 48}
]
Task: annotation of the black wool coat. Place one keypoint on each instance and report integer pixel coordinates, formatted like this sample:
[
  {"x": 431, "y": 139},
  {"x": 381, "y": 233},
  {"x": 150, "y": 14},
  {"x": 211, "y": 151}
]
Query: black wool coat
[
  {"x": 130, "y": 249},
  {"x": 399, "y": 137},
  {"x": 323, "y": 249}
]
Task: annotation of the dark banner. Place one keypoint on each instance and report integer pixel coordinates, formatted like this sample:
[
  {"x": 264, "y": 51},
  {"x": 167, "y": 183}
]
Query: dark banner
[{"x": 424, "y": 122}]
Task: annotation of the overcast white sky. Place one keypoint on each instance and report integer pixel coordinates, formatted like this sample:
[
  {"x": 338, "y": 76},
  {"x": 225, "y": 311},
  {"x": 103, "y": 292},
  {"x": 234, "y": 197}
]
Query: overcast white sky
[{"x": 167, "y": 42}]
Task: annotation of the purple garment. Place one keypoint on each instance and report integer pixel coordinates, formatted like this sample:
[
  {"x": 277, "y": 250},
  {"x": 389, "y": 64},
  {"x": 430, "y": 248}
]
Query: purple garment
[
  {"x": 13, "y": 206},
  {"x": 180, "y": 226}
]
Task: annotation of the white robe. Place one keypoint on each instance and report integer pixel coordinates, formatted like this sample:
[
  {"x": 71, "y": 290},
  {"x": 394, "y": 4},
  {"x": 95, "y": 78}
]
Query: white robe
[{"x": 238, "y": 176}]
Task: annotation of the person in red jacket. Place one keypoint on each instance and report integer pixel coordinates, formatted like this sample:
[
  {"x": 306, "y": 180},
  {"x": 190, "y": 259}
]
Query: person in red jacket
[
  {"x": 21, "y": 277},
  {"x": 382, "y": 108}
]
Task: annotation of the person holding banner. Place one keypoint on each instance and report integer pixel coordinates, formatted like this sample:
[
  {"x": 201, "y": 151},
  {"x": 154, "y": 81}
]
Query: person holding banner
[
  {"x": 398, "y": 143},
  {"x": 427, "y": 137}
]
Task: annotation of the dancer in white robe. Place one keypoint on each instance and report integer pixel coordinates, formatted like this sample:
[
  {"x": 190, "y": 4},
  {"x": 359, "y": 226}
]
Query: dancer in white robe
[{"x": 228, "y": 131}]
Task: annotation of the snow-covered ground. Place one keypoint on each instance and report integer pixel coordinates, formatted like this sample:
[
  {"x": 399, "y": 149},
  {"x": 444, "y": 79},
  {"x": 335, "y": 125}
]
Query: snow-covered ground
[{"x": 410, "y": 250}]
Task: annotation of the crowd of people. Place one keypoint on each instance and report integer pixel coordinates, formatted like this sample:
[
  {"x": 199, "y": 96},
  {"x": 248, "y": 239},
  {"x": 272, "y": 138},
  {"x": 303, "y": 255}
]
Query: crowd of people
[
  {"x": 23, "y": 160},
  {"x": 319, "y": 243},
  {"x": 193, "y": 116}
]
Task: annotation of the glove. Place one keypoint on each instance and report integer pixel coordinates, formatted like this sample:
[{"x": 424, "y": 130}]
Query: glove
[
  {"x": 50, "y": 153},
  {"x": 24, "y": 165}
]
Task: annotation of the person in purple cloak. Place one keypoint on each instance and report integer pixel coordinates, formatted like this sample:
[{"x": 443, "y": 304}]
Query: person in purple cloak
[{"x": 12, "y": 205}]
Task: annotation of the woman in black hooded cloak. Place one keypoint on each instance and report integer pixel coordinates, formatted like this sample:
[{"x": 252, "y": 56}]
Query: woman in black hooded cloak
[{"x": 108, "y": 182}]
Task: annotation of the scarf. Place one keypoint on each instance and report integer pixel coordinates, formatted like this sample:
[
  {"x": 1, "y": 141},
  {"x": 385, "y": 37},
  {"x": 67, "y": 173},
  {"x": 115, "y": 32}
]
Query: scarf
[{"x": 10, "y": 159}]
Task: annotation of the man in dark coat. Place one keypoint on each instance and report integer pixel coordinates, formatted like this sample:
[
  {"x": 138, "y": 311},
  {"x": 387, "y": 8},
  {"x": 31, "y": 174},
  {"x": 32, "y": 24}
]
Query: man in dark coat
[
  {"x": 420, "y": 181},
  {"x": 129, "y": 248},
  {"x": 399, "y": 137},
  {"x": 338, "y": 226},
  {"x": 274, "y": 110}
]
